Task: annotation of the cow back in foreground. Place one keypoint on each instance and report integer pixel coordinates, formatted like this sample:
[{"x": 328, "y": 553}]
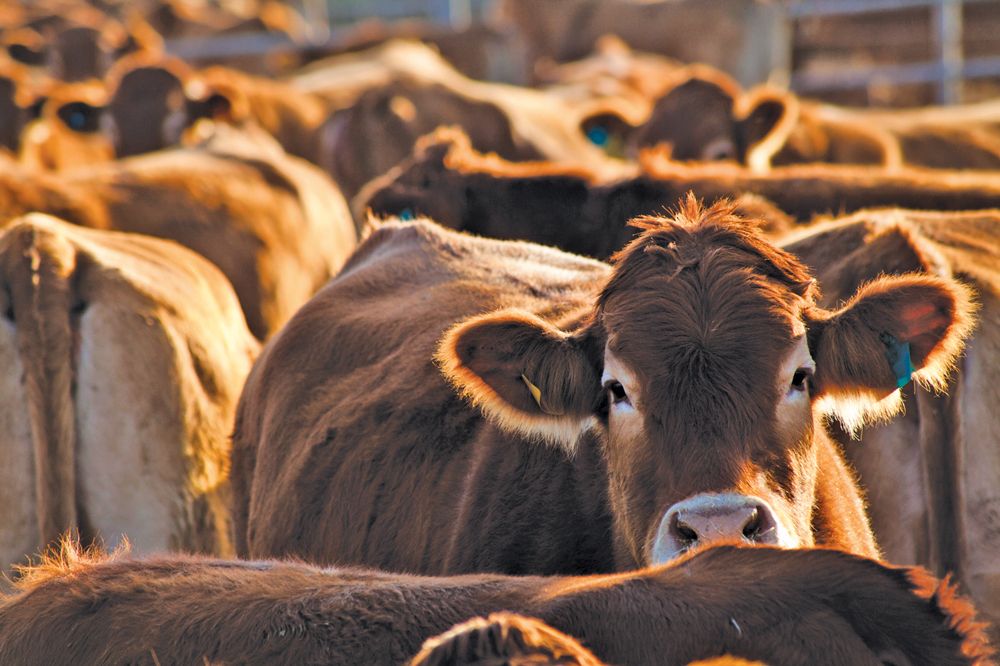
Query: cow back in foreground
[
  {"x": 453, "y": 404},
  {"x": 932, "y": 476},
  {"x": 122, "y": 358},
  {"x": 783, "y": 608}
]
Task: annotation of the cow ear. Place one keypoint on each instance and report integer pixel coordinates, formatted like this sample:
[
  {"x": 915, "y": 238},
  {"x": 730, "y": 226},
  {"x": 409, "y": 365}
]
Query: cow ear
[
  {"x": 525, "y": 374},
  {"x": 765, "y": 119},
  {"x": 893, "y": 330}
]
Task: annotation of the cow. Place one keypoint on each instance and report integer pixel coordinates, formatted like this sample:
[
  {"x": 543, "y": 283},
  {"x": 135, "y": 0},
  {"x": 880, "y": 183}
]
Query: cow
[
  {"x": 451, "y": 183},
  {"x": 766, "y": 127},
  {"x": 17, "y": 96},
  {"x": 413, "y": 90},
  {"x": 779, "y": 607},
  {"x": 147, "y": 106},
  {"x": 275, "y": 225},
  {"x": 714, "y": 32},
  {"x": 450, "y": 404},
  {"x": 931, "y": 475},
  {"x": 291, "y": 116},
  {"x": 123, "y": 357},
  {"x": 68, "y": 132}
]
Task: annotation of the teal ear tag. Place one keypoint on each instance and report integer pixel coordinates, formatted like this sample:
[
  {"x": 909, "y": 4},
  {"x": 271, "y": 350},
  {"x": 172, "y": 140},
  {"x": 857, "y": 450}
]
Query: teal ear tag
[{"x": 898, "y": 355}]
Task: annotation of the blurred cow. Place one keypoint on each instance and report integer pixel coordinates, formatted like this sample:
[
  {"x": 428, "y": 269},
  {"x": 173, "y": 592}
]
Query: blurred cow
[{"x": 122, "y": 358}]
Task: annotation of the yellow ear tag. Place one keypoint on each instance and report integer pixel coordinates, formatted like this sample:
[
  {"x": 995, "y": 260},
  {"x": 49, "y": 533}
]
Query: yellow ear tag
[{"x": 537, "y": 395}]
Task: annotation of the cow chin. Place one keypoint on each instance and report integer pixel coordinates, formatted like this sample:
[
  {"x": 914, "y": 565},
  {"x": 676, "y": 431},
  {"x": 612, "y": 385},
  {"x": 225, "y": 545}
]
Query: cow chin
[{"x": 707, "y": 519}]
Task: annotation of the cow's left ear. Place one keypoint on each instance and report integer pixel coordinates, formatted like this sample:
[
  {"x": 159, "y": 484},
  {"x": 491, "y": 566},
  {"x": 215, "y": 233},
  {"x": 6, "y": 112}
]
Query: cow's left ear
[
  {"x": 525, "y": 374},
  {"x": 893, "y": 330}
]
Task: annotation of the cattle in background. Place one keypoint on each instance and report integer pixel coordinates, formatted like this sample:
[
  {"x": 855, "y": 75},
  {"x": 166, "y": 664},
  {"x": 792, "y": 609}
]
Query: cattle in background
[
  {"x": 766, "y": 127},
  {"x": 291, "y": 116},
  {"x": 19, "y": 104},
  {"x": 123, "y": 357},
  {"x": 932, "y": 476},
  {"x": 411, "y": 90},
  {"x": 69, "y": 131},
  {"x": 382, "y": 127},
  {"x": 555, "y": 430},
  {"x": 784, "y": 608},
  {"x": 584, "y": 210},
  {"x": 275, "y": 225},
  {"x": 147, "y": 103},
  {"x": 73, "y": 42},
  {"x": 707, "y": 31}
]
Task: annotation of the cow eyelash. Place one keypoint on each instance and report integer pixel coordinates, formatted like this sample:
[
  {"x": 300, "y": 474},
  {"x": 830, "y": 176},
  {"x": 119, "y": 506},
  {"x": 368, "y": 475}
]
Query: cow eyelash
[{"x": 801, "y": 378}]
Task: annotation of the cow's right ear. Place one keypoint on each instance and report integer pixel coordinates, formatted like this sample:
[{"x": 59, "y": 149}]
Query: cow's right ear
[
  {"x": 765, "y": 119},
  {"x": 525, "y": 374},
  {"x": 892, "y": 330}
]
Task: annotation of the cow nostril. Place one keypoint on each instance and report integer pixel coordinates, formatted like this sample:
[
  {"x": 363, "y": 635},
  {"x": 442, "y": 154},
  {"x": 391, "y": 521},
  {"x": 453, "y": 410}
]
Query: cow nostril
[
  {"x": 752, "y": 529},
  {"x": 686, "y": 533}
]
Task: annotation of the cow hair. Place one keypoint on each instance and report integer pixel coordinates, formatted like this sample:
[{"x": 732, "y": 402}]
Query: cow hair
[
  {"x": 959, "y": 611},
  {"x": 503, "y": 639}
]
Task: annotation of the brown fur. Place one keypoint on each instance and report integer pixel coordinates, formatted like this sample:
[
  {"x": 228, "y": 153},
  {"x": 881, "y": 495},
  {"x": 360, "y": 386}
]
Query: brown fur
[
  {"x": 50, "y": 143},
  {"x": 336, "y": 462},
  {"x": 275, "y": 225},
  {"x": 451, "y": 183},
  {"x": 783, "y": 608},
  {"x": 503, "y": 638},
  {"x": 930, "y": 474},
  {"x": 126, "y": 355}
]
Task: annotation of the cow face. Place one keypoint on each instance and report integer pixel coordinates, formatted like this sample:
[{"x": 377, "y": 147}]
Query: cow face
[{"x": 704, "y": 371}]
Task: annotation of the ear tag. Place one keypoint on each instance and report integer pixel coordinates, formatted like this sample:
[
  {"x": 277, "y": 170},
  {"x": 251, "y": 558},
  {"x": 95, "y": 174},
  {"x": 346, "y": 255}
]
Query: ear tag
[
  {"x": 898, "y": 355},
  {"x": 537, "y": 395}
]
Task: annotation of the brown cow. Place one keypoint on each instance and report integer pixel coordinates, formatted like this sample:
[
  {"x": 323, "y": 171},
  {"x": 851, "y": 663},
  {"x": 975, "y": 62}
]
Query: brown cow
[
  {"x": 932, "y": 474},
  {"x": 765, "y": 127},
  {"x": 69, "y": 132},
  {"x": 582, "y": 210},
  {"x": 275, "y": 225},
  {"x": 450, "y": 404},
  {"x": 420, "y": 91},
  {"x": 785, "y": 608},
  {"x": 123, "y": 358},
  {"x": 503, "y": 638}
]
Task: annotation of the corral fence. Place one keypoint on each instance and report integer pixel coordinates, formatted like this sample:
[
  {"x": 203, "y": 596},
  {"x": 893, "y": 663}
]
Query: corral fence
[{"x": 860, "y": 52}]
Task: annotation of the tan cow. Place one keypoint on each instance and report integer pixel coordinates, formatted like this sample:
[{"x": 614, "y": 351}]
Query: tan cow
[
  {"x": 932, "y": 476},
  {"x": 275, "y": 225},
  {"x": 455, "y": 404},
  {"x": 122, "y": 358}
]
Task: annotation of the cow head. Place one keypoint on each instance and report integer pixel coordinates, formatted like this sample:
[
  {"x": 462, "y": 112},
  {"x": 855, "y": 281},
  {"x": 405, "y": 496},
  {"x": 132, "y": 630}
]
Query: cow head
[{"x": 705, "y": 370}]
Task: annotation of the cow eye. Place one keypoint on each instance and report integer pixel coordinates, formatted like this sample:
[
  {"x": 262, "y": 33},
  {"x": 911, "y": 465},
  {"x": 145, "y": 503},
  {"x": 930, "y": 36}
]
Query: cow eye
[
  {"x": 617, "y": 392},
  {"x": 800, "y": 380}
]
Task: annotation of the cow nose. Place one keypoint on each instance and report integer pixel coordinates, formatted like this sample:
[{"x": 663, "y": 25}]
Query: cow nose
[{"x": 705, "y": 519}]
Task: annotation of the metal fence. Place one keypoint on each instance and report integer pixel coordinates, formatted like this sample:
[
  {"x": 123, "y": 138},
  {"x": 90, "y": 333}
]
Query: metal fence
[{"x": 948, "y": 71}]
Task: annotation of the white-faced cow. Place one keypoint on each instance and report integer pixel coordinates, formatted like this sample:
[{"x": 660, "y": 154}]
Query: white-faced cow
[
  {"x": 931, "y": 476},
  {"x": 451, "y": 404}
]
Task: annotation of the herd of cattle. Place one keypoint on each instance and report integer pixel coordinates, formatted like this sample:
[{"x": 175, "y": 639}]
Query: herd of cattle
[{"x": 344, "y": 360}]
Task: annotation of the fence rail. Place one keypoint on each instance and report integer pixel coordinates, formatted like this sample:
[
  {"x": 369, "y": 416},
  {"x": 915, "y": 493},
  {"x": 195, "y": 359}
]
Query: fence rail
[{"x": 948, "y": 71}]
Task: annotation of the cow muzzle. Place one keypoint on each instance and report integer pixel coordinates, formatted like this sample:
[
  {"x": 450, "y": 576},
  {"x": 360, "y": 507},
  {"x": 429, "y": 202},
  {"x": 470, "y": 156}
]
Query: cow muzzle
[{"x": 706, "y": 519}]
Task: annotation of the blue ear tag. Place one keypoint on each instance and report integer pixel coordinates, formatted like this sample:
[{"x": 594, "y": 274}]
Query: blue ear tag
[
  {"x": 598, "y": 135},
  {"x": 406, "y": 214},
  {"x": 898, "y": 355}
]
